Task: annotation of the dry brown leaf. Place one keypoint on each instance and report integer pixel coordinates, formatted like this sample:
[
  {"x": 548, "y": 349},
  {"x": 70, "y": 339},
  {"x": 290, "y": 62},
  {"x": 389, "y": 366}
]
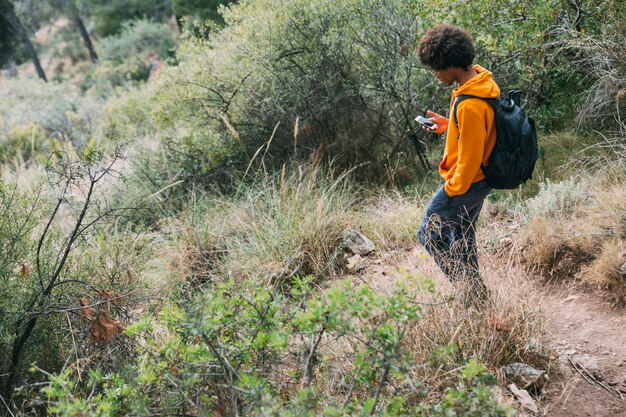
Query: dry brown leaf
[
  {"x": 499, "y": 324},
  {"x": 86, "y": 312},
  {"x": 115, "y": 298},
  {"x": 25, "y": 271},
  {"x": 104, "y": 329}
]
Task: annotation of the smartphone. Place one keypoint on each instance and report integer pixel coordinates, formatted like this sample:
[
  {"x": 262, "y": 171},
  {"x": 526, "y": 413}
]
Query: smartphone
[{"x": 425, "y": 122}]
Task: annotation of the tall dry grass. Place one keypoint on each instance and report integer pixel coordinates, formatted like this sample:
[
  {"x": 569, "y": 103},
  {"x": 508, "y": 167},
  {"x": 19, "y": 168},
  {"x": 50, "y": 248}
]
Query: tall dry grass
[
  {"x": 276, "y": 225},
  {"x": 286, "y": 224},
  {"x": 576, "y": 228}
]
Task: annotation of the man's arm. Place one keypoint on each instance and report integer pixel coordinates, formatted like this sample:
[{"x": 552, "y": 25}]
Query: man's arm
[{"x": 472, "y": 137}]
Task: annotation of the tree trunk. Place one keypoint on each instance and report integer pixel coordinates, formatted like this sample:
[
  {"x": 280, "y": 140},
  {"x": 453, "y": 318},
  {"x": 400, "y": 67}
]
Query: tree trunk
[
  {"x": 179, "y": 23},
  {"x": 83, "y": 31},
  {"x": 15, "y": 23},
  {"x": 85, "y": 35}
]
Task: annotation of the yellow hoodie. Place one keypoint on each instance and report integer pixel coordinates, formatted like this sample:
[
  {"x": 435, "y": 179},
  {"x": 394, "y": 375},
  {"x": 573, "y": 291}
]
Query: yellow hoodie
[{"x": 460, "y": 166}]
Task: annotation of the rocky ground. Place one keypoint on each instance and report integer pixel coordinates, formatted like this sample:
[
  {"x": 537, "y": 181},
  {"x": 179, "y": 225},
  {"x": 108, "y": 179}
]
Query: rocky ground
[{"x": 586, "y": 336}]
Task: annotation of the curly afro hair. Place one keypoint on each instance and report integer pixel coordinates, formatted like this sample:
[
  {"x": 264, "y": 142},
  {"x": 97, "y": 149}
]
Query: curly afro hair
[{"x": 446, "y": 46}]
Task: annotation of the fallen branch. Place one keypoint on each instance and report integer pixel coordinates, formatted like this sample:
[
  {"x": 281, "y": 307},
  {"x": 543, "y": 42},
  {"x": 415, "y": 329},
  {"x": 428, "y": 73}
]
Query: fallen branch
[{"x": 587, "y": 376}]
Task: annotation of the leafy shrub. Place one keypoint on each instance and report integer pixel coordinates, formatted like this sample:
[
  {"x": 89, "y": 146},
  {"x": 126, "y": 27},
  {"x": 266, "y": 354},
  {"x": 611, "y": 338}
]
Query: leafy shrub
[
  {"x": 593, "y": 47},
  {"x": 308, "y": 75},
  {"x": 201, "y": 9},
  {"x": 126, "y": 117},
  {"x": 471, "y": 398},
  {"x": 63, "y": 115},
  {"x": 21, "y": 143},
  {"x": 247, "y": 350},
  {"x": 131, "y": 55},
  {"x": 111, "y": 16},
  {"x": 137, "y": 37},
  {"x": 57, "y": 262},
  {"x": 339, "y": 79}
]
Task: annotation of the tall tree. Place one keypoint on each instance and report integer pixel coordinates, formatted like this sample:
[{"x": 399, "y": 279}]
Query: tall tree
[
  {"x": 74, "y": 13},
  {"x": 7, "y": 10}
]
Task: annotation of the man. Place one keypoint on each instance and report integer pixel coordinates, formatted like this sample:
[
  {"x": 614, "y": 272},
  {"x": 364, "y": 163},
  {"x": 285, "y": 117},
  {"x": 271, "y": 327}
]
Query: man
[{"x": 448, "y": 228}]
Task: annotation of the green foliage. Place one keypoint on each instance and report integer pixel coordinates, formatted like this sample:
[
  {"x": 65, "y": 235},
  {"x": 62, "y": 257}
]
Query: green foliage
[
  {"x": 308, "y": 75},
  {"x": 340, "y": 80},
  {"x": 200, "y": 9},
  {"x": 132, "y": 54},
  {"x": 111, "y": 15},
  {"x": 137, "y": 37},
  {"x": 126, "y": 116},
  {"x": 259, "y": 351},
  {"x": 38, "y": 115},
  {"x": 56, "y": 260},
  {"x": 471, "y": 398}
]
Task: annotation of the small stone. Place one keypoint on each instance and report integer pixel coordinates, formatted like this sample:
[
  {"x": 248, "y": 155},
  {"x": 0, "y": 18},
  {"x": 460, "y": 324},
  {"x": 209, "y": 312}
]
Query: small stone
[
  {"x": 356, "y": 264},
  {"x": 498, "y": 394},
  {"x": 358, "y": 243},
  {"x": 524, "y": 398},
  {"x": 524, "y": 375}
]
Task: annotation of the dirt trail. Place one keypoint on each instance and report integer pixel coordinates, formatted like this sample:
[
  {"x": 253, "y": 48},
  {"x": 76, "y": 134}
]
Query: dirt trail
[
  {"x": 579, "y": 325},
  {"x": 582, "y": 326}
]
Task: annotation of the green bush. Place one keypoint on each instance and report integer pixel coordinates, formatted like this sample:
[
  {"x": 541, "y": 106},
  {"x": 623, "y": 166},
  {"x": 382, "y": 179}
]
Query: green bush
[
  {"x": 56, "y": 113},
  {"x": 201, "y": 9},
  {"x": 472, "y": 397},
  {"x": 311, "y": 76},
  {"x": 131, "y": 55},
  {"x": 249, "y": 350},
  {"x": 126, "y": 116},
  {"x": 61, "y": 276},
  {"x": 137, "y": 37},
  {"x": 110, "y": 16}
]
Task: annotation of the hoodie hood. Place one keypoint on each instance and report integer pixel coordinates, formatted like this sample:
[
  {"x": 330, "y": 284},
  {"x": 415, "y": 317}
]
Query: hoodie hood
[{"x": 481, "y": 85}]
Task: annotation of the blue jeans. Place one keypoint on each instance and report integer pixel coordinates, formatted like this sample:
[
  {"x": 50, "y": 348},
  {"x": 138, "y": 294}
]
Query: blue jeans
[{"x": 448, "y": 232}]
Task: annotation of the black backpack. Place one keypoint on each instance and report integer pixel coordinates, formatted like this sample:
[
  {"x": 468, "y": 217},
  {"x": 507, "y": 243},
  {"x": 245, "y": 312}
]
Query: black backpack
[{"x": 513, "y": 158}]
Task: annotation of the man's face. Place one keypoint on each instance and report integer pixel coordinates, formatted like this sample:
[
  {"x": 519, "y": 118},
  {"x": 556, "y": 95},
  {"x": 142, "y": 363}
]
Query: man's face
[{"x": 446, "y": 76}]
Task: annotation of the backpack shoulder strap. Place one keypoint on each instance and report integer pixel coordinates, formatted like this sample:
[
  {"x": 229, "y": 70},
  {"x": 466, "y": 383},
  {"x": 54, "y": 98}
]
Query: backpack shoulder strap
[
  {"x": 464, "y": 97},
  {"x": 458, "y": 101}
]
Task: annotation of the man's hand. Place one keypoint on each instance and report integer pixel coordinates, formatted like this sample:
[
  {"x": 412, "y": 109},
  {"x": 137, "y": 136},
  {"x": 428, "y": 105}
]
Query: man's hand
[{"x": 439, "y": 120}]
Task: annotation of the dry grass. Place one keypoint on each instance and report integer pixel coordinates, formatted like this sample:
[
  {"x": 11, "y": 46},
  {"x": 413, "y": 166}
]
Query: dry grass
[
  {"x": 509, "y": 328},
  {"x": 555, "y": 250},
  {"x": 391, "y": 221},
  {"x": 577, "y": 228},
  {"x": 277, "y": 226},
  {"x": 291, "y": 223},
  {"x": 607, "y": 272}
]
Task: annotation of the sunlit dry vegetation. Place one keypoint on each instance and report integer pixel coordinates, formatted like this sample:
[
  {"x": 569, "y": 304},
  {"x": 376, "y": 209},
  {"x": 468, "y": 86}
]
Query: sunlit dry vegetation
[{"x": 182, "y": 184}]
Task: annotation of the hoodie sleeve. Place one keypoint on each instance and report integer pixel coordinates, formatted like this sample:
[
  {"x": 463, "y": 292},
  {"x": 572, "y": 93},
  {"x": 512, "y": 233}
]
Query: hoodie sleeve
[{"x": 471, "y": 146}]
